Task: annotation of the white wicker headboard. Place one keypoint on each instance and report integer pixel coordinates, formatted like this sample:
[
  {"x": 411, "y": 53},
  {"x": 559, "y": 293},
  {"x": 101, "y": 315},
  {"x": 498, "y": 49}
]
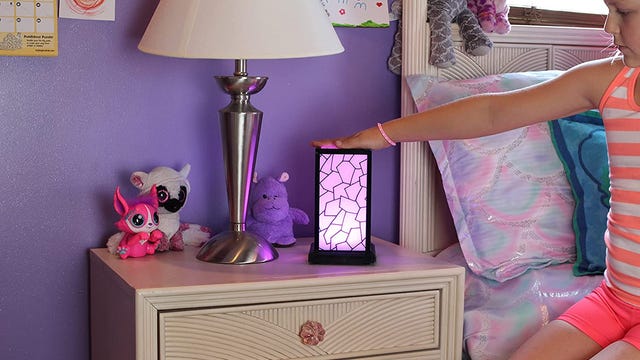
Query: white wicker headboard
[{"x": 425, "y": 222}]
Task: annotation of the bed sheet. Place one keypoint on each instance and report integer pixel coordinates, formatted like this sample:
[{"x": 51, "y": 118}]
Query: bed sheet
[{"x": 498, "y": 317}]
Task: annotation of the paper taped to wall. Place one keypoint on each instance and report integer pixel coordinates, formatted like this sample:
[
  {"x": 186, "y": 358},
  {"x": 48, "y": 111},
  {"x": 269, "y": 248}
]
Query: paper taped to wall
[
  {"x": 357, "y": 13},
  {"x": 29, "y": 28}
]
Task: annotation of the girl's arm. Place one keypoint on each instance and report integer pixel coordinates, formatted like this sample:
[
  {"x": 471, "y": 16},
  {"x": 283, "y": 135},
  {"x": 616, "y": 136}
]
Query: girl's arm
[{"x": 576, "y": 90}]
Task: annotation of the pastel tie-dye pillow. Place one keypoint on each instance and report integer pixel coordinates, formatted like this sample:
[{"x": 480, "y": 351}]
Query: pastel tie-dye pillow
[{"x": 508, "y": 194}]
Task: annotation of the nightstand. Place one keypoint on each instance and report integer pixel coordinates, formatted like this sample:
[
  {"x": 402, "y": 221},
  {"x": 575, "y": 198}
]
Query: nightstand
[{"x": 172, "y": 306}]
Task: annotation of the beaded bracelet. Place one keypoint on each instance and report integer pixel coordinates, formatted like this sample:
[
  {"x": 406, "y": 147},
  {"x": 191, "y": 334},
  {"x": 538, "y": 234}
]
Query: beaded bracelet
[{"x": 385, "y": 136}]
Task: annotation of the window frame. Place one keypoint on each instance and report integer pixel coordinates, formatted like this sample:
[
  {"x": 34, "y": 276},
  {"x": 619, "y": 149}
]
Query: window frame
[{"x": 534, "y": 16}]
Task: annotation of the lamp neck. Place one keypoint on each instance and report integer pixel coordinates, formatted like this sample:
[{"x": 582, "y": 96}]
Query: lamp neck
[
  {"x": 241, "y": 67},
  {"x": 240, "y": 85},
  {"x": 240, "y": 99}
]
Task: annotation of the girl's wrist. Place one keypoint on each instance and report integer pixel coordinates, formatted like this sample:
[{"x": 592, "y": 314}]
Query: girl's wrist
[{"x": 385, "y": 136}]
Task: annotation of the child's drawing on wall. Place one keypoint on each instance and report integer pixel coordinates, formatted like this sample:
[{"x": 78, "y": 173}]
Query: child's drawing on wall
[
  {"x": 358, "y": 13},
  {"x": 88, "y": 9}
]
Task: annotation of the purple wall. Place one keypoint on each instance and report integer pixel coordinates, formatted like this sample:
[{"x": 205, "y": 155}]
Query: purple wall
[{"x": 75, "y": 126}]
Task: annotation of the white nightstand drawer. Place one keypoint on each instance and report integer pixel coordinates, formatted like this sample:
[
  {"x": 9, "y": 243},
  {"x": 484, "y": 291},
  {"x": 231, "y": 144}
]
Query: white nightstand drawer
[
  {"x": 354, "y": 326},
  {"x": 171, "y": 306}
]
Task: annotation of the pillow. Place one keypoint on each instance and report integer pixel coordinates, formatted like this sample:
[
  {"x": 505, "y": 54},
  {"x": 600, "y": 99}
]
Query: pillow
[
  {"x": 582, "y": 147},
  {"x": 508, "y": 194}
]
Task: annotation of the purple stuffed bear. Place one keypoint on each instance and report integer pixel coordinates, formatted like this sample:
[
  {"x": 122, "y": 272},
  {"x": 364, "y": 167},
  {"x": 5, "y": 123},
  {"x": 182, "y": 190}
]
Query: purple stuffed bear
[{"x": 269, "y": 213}]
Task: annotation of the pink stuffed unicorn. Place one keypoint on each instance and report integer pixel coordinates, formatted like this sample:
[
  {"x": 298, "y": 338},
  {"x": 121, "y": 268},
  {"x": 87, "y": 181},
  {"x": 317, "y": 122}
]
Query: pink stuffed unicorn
[
  {"x": 139, "y": 224},
  {"x": 492, "y": 15}
]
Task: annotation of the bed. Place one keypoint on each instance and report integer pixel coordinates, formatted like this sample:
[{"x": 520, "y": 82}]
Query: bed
[{"x": 538, "y": 277}]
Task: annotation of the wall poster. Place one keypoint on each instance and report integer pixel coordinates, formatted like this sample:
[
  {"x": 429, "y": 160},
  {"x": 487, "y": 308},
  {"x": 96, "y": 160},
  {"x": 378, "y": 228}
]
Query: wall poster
[
  {"x": 357, "y": 13},
  {"x": 29, "y": 28},
  {"x": 88, "y": 9}
]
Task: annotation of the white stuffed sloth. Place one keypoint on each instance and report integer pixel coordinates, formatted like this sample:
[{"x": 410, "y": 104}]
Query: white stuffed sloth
[{"x": 173, "y": 189}]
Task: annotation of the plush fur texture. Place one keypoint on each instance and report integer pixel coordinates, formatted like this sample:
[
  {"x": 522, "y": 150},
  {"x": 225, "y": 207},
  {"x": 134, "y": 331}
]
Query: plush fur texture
[
  {"x": 138, "y": 223},
  {"x": 173, "y": 189},
  {"x": 441, "y": 14},
  {"x": 493, "y": 15},
  {"x": 270, "y": 215},
  {"x": 394, "y": 62}
]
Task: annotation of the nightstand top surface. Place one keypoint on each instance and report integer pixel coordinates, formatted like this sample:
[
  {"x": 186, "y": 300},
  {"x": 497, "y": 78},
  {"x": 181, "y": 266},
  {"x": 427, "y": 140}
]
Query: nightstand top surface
[{"x": 181, "y": 268}]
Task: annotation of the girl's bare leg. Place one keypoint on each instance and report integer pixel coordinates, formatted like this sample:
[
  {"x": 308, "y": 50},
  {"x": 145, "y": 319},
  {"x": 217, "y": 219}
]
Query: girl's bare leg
[
  {"x": 558, "y": 340},
  {"x": 618, "y": 350}
]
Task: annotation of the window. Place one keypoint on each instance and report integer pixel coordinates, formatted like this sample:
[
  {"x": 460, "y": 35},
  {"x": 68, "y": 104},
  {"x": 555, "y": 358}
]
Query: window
[
  {"x": 581, "y": 13},
  {"x": 579, "y": 6}
]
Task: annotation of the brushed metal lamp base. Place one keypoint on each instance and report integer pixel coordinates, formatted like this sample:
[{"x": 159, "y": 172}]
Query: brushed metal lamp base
[
  {"x": 240, "y": 131},
  {"x": 237, "y": 247}
]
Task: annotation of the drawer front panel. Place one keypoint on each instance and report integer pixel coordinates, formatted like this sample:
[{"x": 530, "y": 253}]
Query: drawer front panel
[{"x": 359, "y": 326}]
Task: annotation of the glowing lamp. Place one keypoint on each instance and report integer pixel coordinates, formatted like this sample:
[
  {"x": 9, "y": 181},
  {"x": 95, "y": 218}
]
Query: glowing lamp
[{"x": 343, "y": 208}]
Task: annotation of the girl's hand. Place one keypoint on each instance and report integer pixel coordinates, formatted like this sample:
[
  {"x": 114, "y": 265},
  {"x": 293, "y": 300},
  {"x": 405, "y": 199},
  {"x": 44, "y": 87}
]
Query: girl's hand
[{"x": 365, "y": 139}]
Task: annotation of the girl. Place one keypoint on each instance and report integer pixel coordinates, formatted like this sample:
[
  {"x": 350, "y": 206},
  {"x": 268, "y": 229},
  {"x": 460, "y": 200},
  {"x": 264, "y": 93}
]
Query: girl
[{"x": 606, "y": 323}]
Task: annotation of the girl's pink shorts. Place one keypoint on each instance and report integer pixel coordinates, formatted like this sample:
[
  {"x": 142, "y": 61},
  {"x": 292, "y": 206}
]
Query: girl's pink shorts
[{"x": 605, "y": 318}]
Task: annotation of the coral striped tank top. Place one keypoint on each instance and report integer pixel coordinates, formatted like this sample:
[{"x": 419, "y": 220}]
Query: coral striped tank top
[{"x": 621, "y": 116}]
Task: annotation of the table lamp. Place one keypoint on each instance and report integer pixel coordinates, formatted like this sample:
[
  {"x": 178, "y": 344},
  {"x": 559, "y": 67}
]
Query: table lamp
[
  {"x": 239, "y": 30},
  {"x": 343, "y": 208}
]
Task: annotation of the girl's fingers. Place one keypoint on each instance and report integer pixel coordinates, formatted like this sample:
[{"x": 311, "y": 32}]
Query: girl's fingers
[{"x": 325, "y": 144}]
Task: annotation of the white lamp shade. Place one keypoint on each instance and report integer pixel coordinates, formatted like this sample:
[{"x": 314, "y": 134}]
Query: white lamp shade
[{"x": 240, "y": 29}]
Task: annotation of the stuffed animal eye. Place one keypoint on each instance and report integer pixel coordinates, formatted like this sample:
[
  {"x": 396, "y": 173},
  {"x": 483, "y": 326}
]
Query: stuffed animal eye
[
  {"x": 163, "y": 194},
  {"x": 182, "y": 195},
  {"x": 264, "y": 196},
  {"x": 137, "y": 220},
  {"x": 156, "y": 220}
]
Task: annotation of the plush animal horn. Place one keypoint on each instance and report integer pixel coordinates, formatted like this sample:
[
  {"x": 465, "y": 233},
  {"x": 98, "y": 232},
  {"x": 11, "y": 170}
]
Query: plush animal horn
[
  {"x": 284, "y": 177},
  {"x": 185, "y": 170},
  {"x": 119, "y": 202},
  {"x": 255, "y": 177}
]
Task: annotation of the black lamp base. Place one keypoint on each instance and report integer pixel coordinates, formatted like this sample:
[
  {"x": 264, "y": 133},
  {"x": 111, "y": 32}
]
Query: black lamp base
[{"x": 342, "y": 257}]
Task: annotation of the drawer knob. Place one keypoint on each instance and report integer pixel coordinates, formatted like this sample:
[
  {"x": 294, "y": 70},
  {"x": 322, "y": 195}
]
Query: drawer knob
[{"x": 312, "y": 333}]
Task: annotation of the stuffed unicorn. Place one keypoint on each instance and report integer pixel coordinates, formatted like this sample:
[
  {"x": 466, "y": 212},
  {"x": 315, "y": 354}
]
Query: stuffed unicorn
[
  {"x": 491, "y": 14},
  {"x": 138, "y": 223}
]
